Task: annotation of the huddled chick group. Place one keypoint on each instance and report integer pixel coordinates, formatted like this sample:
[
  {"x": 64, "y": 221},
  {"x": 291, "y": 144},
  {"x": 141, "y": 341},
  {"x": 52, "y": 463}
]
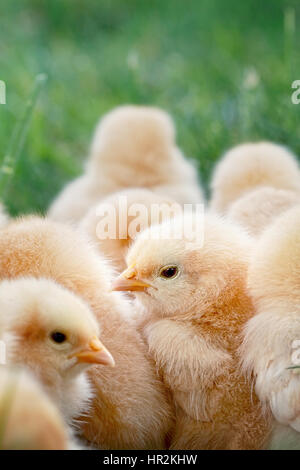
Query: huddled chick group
[{"x": 144, "y": 340}]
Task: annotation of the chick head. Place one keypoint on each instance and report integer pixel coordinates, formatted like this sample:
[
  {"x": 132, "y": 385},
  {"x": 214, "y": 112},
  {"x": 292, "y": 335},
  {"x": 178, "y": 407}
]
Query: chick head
[
  {"x": 55, "y": 332},
  {"x": 135, "y": 146},
  {"x": 188, "y": 275}
]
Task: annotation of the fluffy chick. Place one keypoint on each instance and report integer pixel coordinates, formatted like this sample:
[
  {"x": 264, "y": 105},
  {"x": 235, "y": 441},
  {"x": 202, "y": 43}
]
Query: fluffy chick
[
  {"x": 55, "y": 336},
  {"x": 272, "y": 336},
  {"x": 127, "y": 208},
  {"x": 133, "y": 146},
  {"x": 28, "y": 418},
  {"x": 251, "y": 165},
  {"x": 130, "y": 408},
  {"x": 259, "y": 208},
  {"x": 193, "y": 301}
]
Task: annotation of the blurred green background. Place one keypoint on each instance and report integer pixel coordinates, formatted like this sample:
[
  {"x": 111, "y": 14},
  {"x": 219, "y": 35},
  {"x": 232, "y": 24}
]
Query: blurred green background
[{"x": 223, "y": 69}]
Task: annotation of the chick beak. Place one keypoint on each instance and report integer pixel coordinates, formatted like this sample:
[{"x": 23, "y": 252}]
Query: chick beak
[
  {"x": 127, "y": 281},
  {"x": 95, "y": 353}
]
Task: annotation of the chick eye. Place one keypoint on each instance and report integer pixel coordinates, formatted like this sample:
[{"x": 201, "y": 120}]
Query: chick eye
[
  {"x": 58, "y": 337},
  {"x": 169, "y": 272}
]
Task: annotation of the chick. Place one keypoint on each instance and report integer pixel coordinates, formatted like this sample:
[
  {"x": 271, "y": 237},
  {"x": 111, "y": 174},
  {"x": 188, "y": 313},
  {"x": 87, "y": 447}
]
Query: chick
[
  {"x": 56, "y": 336},
  {"x": 193, "y": 303},
  {"x": 271, "y": 344},
  {"x": 28, "y": 418},
  {"x": 133, "y": 146},
  {"x": 258, "y": 208},
  {"x": 132, "y": 210},
  {"x": 249, "y": 166},
  {"x": 130, "y": 407}
]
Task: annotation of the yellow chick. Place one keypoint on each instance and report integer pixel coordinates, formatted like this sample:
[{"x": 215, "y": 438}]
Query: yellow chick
[
  {"x": 28, "y": 418},
  {"x": 192, "y": 297},
  {"x": 56, "y": 336},
  {"x": 249, "y": 166},
  {"x": 131, "y": 211},
  {"x": 272, "y": 337},
  {"x": 259, "y": 208},
  {"x": 130, "y": 407},
  {"x": 133, "y": 146}
]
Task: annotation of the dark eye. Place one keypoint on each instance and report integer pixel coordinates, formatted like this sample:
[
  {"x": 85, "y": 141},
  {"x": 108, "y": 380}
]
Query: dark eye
[
  {"x": 58, "y": 337},
  {"x": 169, "y": 272}
]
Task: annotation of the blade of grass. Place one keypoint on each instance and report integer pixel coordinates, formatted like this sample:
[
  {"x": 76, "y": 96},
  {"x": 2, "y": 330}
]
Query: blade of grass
[{"x": 18, "y": 137}]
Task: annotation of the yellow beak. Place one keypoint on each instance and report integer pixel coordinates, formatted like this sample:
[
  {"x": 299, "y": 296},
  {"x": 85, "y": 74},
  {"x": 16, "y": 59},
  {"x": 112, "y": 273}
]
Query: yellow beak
[
  {"x": 95, "y": 353},
  {"x": 127, "y": 281}
]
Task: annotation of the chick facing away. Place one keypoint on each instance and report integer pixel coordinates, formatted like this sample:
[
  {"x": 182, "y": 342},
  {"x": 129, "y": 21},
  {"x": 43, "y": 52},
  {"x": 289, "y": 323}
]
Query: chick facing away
[
  {"x": 249, "y": 166},
  {"x": 133, "y": 147},
  {"x": 193, "y": 303}
]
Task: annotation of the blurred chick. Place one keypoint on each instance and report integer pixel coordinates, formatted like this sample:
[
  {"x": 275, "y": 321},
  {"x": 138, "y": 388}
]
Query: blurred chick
[
  {"x": 28, "y": 418},
  {"x": 259, "y": 208},
  {"x": 272, "y": 336},
  {"x": 56, "y": 336},
  {"x": 133, "y": 146},
  {"x": 193, "y": 302},
  {"x": 249, "y": 166},
  {"x": 125, "y": 206},
  {"x": 130, "y": 408}
]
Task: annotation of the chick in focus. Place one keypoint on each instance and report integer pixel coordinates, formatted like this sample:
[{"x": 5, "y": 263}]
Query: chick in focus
[
  {"x": 271, "y": 345},
  {"x": 130, "y": 407},
  {"x": 55, "y": 335},
  {"x": 28, "y": 418},
  {"x": 133, "y": 147},
  {"x": 251, "y": 166},
  {"x": 259, "y": 208},
  {"x": 193, "y": 302},
  {"x": 131, "y": 211}
]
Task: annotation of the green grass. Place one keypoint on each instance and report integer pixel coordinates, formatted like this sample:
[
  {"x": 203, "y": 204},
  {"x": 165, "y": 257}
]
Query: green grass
[{"x": 190, "y": 57}]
